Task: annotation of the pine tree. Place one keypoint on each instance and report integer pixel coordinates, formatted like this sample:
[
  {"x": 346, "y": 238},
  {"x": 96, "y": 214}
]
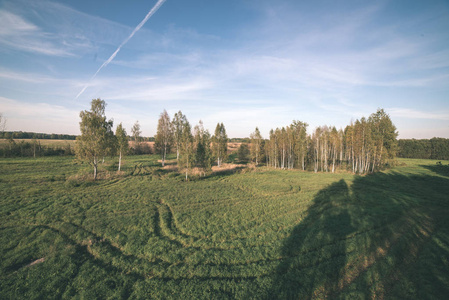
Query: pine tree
[
  {"x": 256, "y": 142},
  {"x": 203, "y": 155}
]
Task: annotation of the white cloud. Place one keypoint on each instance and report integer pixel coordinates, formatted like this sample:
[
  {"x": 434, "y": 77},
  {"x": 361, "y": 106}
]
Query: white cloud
[
  {"x": 291, "y": 65},
  {"x": 416, "y": 114},
  {"x": 53, "y": 29},
  {"x": 11, "y": 24},
  {"x": 19, "y": 34},
  {"x": 39, "y": 117}
]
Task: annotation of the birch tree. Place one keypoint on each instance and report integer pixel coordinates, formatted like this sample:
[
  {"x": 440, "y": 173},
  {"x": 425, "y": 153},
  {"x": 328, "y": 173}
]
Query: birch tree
[
  {"x": 2, "y": 123},
  {"x": 96, "y": 136},
  {"x": 220, "y": 144},
  {"x": 122, "y": 143},
  {"x": 186, "y": 154},
  {"x": 136, "y": 135},
  {"x": 164, "y": 136},
  {"x": 177, "y": 124}
]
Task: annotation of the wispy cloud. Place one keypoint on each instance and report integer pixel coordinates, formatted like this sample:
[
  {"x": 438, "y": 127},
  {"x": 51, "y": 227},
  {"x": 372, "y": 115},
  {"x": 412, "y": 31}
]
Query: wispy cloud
[
  {"x": 18, "y": 34},
  {"x": 294, "y": 61},
  {"x": 11, "y": 24},
  {"x": 54, "y": 29},
  {"x": 108, "y": 61},
  {"x": 416, "y": 114}
]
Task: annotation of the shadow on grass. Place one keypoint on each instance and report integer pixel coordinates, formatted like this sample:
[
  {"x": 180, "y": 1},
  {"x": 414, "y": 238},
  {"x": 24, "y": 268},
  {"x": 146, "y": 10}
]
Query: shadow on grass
[
  {"x": 382, "y": 236},
  {"x": 442, "y": 170}
]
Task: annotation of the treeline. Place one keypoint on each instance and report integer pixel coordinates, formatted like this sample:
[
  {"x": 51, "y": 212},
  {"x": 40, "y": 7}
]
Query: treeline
[
  {"x": 435, "y": 148},
  {"x": 364, "y": 146},
  {"x": 33, "y": 135},
  {"x": 239, "y": 140},
  {"x": 195, "y": 149},
  {"x": 198, "y": 149},
  {"x": 33, "y": 148},
  {"x": 53, "y": 136},
  {"x": 30, "y": 144}
]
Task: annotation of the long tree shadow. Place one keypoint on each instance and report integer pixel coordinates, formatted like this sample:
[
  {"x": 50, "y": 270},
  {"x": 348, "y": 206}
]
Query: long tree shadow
[
  {"x": 366, "y": 239},
  {"x": 442, "y": 169},
  {"x": 315, "y": 253}
]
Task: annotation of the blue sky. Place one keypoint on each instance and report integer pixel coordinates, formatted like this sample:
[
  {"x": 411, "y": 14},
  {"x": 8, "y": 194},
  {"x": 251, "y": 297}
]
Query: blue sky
[{"x": 244, "y": 63}]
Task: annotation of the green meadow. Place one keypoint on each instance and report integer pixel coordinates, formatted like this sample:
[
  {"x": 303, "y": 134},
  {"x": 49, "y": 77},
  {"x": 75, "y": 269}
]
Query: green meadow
[{"x": 251, "y": 234}]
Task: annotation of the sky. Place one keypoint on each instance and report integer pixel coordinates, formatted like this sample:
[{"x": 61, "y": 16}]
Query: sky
[{"x": 244, "y": 63}]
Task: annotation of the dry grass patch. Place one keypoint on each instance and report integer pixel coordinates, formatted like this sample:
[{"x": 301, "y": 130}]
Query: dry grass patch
[
  {"x": 227, "y": 167},
  {"x": 233, "y": 146}
]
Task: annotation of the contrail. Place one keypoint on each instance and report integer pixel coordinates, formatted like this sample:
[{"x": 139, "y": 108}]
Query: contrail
[{"x": 149, "y": 14}]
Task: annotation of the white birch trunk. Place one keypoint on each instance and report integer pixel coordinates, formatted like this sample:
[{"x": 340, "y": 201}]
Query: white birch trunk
[{"x": 120, "y": 160}]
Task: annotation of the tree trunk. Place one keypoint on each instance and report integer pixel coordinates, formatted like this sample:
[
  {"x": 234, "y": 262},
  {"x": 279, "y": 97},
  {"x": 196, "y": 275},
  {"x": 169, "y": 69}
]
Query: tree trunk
[
  {"x": 95, "y": 168},
  {"x": 333, "y": 162},
  {"x": 119, "y": 160}
]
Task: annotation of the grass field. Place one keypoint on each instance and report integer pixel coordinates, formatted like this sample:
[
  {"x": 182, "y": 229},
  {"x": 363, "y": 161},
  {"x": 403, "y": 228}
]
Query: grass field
[{"x": 265, "y": 234}]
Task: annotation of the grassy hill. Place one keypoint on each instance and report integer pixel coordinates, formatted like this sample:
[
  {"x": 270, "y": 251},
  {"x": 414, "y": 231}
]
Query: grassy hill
[{"x": 264, "y": 234}]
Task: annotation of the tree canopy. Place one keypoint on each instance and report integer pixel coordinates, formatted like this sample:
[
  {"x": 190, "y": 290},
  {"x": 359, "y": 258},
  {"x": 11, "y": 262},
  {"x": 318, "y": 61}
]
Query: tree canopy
[
  {"x": 164, "y": 136},
  {"x": 96, "y": 139},
  {"x": 122, "y": 143},
  {"x": 220, "y": 144}
]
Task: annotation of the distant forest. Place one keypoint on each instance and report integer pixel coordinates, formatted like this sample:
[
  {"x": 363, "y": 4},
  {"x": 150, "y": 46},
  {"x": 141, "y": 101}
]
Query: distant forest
[
  {"x": 46, "y": 136},
  {"x": 435, "y": 148},
  {"x": 34, "y": 135}
]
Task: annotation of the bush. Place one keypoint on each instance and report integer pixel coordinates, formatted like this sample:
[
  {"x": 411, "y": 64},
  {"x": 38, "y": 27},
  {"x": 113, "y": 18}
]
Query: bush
[{"x": 243, "y": 153}]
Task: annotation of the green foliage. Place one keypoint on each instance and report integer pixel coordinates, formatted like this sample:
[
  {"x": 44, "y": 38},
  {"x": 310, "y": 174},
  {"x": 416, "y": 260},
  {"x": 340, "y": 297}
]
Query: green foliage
[
  {"x": 178, "y": 122},
  {"x": 34, "y": 135},
  {"x": 220, "y": 144},
  {"x": 243, "y": 153},
  {"x": 122, "y": 143},
  {"x": 366, "y": 145},
  {"x": 164, "y": 136},
  {"x": 122, "y": 139},
  {"x": 256, "y": 149},
  {"x": 435, "y": 148},
  {"x": 186, "y": 150},
  {"x": 35, "y": 148},
  {"x": 269, "y": 234},
  {"x": 97, "y": 139},
  {"x": 203, "y": 155}
]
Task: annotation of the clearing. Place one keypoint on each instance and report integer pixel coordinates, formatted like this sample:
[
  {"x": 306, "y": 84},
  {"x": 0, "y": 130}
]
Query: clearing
[{"x": 263, "y": 234}]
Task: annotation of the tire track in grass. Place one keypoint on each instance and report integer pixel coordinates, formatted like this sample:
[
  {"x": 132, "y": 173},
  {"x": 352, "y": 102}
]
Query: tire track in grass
[
  {"x": 307, "y": 263},
  {"x": 86, "y": 249}
]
